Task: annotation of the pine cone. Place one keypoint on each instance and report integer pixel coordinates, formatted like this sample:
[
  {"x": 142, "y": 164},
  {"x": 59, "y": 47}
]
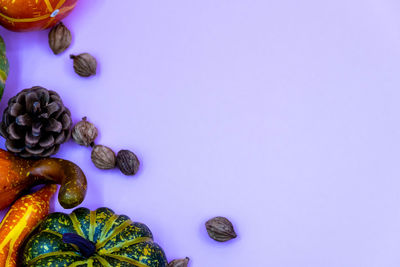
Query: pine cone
[{"x": 35, "y": 123}]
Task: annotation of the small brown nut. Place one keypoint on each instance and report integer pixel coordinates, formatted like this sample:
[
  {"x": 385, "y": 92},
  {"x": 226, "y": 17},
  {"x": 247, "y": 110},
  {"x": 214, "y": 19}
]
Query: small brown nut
[
  {"x": 59, "y": 38},
  {"x": 84, "y": 133},
  {"x": 85, "y": 65},
  {"x": 220, "y": 229},
  {"x": 127, "y": 162},
  {"x": 103, "y": 157},
  {"x": 179, "y": 263}
]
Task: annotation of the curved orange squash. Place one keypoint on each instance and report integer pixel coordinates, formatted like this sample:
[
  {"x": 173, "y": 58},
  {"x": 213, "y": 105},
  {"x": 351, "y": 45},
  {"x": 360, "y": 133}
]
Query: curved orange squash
[
  {"x": 23, "y": 216},
  {"x": 18, "y": 174},
  {"x": 31, "y": 15}
]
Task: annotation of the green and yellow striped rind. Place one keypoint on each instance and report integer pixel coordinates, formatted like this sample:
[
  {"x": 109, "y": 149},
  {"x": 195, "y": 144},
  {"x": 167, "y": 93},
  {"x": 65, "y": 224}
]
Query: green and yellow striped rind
[
  {"x": 4, "y": 66},
  {"x": 119, "y": 241}
]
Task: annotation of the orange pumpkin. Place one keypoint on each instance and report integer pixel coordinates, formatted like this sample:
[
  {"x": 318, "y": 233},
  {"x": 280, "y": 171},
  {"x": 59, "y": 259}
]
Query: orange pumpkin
[{"x": 31, "y": 15}]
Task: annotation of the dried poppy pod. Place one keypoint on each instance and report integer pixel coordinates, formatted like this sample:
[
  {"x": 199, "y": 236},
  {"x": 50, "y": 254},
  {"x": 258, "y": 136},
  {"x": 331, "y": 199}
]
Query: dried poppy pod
[
  {"x": 179, "y": 263},
  {"x": 220, "y": 229},
  {"x": 103, "y": 157},
  {"x": 85, "y": 65},
  {"x": 59, "y": 38},
  {"x": 84, "y": 133}
]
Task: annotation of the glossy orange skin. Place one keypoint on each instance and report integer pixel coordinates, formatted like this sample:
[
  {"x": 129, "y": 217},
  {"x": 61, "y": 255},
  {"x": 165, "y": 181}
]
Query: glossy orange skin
[
  {"x": 19, "y": 174},
  {"x": 32, "y": 15},
  {"x": 23, "y": 216},
  {"x": 13, "y": 178}
]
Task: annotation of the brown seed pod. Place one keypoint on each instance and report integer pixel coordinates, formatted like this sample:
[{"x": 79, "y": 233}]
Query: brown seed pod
[
  {"x": 220, "y": 229},
  {"x": 59, "y": 38},
  {"x": 85, "y": 65},
  {"x": 103, "y": 157},
  {"x": 127, "y": 162},
  {"x": 179, "y": 263},
  {"x": 84, "y": 133}
]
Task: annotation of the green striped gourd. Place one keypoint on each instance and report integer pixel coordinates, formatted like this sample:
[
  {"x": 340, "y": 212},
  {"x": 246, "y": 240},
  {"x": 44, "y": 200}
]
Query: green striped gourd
[
  {"x": 91, "y": 238},
  {"x": 4, "y": 67}
]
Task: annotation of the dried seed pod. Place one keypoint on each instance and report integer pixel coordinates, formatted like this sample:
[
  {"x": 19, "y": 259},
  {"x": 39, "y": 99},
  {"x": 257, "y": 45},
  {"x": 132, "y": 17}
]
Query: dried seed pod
[
  {"x": 103, "y": 157},
  {"x": 59, "y": 38},
  {"x": 84, "y": 133},
  {"x": 127, "y": 162},
  {"x": 85, "y": 65},
  {"x": 179, "y": 263},
  {"x": 220, "y": 229}
]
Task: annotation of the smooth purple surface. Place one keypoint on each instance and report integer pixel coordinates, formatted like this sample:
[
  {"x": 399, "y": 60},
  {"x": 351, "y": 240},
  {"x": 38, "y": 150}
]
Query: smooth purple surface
[{"x": 283, "y": 116}]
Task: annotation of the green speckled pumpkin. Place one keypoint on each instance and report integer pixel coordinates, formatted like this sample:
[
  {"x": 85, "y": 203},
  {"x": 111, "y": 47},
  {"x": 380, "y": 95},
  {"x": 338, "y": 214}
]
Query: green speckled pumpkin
[
  {"x": 4, "y": 67},
  {"x": 116, "y": 241}
]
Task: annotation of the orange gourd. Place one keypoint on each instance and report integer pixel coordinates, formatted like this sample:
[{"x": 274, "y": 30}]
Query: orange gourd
[
  {"x": 18, "y": 174},
  {"x": 23, "y": 216},
  {"x": 30, "y": 15}
]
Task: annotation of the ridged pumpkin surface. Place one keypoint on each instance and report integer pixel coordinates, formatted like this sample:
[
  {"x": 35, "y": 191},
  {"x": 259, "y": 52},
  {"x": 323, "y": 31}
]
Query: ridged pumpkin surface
[
  {"x": 30, "y": 15},
  {"x": 118, "y": 240},
  {"x": 4, "y": 67}
]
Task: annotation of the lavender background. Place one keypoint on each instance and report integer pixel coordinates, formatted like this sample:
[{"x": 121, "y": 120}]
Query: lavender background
[{"x": 280, "y": 115}]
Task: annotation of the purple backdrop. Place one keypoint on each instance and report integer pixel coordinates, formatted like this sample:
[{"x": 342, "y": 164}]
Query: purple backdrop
[{"x": 283, "y": 116}]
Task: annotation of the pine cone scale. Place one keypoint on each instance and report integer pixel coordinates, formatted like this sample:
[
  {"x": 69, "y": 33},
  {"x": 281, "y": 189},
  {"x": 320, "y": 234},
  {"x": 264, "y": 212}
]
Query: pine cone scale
[
  {"x": 3, "y": 131},
  {"x": 31, "y": 140},
  {"x": 47, "y": 141},
  {"x": 34, "y": 151},
  {"x": 14, "y": 132},
  {"x": 49, "y": 152},
  {"x": 16, "y": 109},
  {"x": 53, "y": 107},
  {"x": 14, "y": 146},
  {"x": 54, "y": 126},
  {"x": 36, "y": 128},
  {"x": 61, "y": 138},
  {"x": 59, "y": 112},
  {"x": 66, "y": 121},
  {"x": 24, "y": 120},
  {"x": 19, "y": 99},
  {"x": 31, "y": 100}
]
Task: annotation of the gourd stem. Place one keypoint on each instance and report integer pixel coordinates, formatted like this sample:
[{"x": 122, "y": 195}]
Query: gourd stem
[{"x": 86, "y": 247}]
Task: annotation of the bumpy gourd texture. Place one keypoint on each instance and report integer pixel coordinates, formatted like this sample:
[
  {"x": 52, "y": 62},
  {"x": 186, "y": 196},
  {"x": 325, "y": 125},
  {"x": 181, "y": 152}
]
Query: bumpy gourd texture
[
  {"x": 4, "y": 67},
  {"x": 119, "y": 241},
  {"x": 22, "y": 217}
]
